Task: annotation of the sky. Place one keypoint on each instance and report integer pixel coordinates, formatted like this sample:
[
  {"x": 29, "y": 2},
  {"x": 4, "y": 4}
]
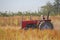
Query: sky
[{"x": 22, "y": 5}]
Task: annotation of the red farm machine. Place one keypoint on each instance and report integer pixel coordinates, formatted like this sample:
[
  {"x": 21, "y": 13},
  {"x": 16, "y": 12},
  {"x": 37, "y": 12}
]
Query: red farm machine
[{"x": 40, "y": 24}]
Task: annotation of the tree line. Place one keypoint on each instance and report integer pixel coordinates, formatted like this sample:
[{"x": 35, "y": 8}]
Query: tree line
[{"x": 53, "y": 8}]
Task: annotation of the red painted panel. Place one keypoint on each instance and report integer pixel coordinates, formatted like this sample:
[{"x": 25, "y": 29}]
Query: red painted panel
[{"x": 24, "y": 23}]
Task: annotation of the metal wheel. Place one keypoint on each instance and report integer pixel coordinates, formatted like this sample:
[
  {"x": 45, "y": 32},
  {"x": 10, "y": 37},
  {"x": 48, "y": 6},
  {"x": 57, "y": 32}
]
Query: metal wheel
[{"x": 46, "y": 25}]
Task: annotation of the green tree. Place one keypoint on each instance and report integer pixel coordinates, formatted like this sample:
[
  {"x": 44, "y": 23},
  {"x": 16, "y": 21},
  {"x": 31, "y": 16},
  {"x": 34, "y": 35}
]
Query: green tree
[
  {"x": 19, "y": 13},
  {"x": 57, "y": 7},
  {"x": 46, "y": 8},
  {"x": 27, "y": 13},
  {"x": 4, "y": 14}
]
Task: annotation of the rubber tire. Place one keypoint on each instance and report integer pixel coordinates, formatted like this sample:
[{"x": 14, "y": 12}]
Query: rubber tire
[{"x": 46, "y": 25}]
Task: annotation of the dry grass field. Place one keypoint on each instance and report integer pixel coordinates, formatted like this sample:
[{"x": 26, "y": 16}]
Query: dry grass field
[{"x": 10, "y": 29}]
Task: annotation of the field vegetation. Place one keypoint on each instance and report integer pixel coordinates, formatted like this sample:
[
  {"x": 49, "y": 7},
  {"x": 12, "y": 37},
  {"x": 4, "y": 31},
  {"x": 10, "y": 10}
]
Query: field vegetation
[
  {"x": 10, "y": 24},
  {"x": 13, "y": 31}
]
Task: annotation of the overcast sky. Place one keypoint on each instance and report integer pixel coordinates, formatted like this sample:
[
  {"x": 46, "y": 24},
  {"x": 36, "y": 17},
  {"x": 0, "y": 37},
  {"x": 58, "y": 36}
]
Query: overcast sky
[{"x": 21, "y": 5}]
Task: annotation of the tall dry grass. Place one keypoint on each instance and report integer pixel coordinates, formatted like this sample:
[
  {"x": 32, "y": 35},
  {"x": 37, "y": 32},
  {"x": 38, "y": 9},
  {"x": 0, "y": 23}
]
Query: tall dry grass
[
  {"x": 9, "y": 32},
  {"x": 30, "y": 34}
]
